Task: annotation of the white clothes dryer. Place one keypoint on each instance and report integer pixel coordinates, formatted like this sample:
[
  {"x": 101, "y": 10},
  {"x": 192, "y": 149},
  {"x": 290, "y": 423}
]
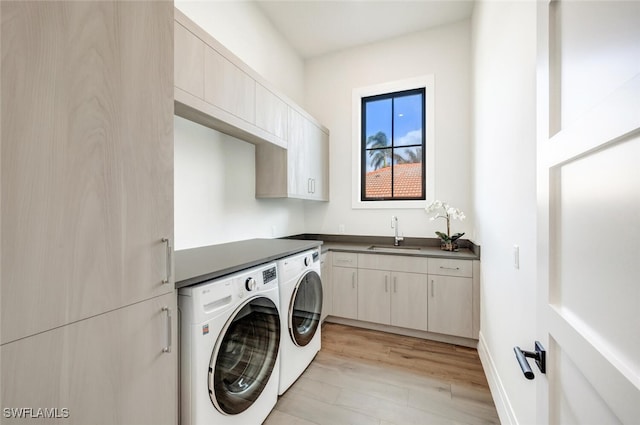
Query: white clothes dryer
[
  {"x": 229, "y": 342},
  {"x": 300, "y": 308}
]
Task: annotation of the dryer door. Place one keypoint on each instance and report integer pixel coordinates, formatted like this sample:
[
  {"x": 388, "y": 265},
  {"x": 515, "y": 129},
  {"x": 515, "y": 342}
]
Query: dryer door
[
  {"x": 305, "y": 308},
  {"x": 244, "y": 356}
]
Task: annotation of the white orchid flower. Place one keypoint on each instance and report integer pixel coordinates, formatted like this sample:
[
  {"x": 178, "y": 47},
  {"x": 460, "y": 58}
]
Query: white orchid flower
[{"x": 449, "y": 214}]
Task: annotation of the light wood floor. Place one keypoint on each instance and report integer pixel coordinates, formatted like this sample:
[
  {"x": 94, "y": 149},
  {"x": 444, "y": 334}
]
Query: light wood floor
[{"x": 368, "y": 377}]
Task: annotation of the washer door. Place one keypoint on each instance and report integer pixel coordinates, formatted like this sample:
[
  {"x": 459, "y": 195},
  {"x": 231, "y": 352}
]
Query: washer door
[
  {"x": 305, "y": 308},
  {"x": 244, "y": 357}
]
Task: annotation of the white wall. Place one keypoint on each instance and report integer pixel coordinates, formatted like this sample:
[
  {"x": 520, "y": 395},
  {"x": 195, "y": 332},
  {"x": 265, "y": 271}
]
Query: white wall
[
  {"x": 214, "y": 173},
  {"x": 504, "y": 188},
  {"x": 215, "y": 192},
  {"x": 330, "y": 79}
]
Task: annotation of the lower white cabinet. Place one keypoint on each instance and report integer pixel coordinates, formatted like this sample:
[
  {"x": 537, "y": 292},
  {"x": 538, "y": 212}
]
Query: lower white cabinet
[
  {"x": 345, "y": 292},
  {"x": 108, "y": 369},
  {"x": 374, "y": 298},
  {"x": 427, "y": 294},
  {"x": 409, "y": 300},
  {"x": 451, "y": 305},
  {"x": 393, "y": 298}
]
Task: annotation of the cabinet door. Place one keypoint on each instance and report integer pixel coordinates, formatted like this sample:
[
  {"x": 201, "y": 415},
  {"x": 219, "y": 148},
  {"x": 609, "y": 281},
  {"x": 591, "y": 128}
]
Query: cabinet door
[
  {"x": 272, "y": 114},
  {"x": 345, "y": 292},
  {"x": 317, "y": 159},
  {"x": 450, "y": 305},
  {"x": 87, "y": 159},
  {"x": 374, "y": 298},
  {"x": 108, "y": 369},
  {"x": 409, "y": 300},
  {"x": 298, "y": 172},
  {"x": 189, "y": 62},
  {"x": 327, "y": 287},
  {"x": 228, "y": 87}
]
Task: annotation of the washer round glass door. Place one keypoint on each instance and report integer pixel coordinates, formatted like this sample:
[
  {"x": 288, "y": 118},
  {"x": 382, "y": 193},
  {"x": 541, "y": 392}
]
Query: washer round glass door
[
  {"x": 245, "y": 355},
  {"x": 305, "y": 308}
]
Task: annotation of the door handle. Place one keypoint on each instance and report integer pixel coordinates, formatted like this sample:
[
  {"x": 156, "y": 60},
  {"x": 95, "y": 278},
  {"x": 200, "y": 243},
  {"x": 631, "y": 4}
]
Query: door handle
[
  {"x": 432, "y": 290},
  {"x": 167, "y": 348},
  {"x": 167, "y": 243},
  {"x": 395, "y": 284},
  {"x": 539, "y": 355}
]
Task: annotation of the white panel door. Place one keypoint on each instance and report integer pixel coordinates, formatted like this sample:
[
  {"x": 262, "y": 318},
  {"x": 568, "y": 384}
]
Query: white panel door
[{"x": 589, "y": 211}]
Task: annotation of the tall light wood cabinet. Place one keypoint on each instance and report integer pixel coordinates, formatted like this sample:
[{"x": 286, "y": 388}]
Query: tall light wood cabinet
[
  {"x": 87, "y": 206},
  {"x": 94, "y": 367}
]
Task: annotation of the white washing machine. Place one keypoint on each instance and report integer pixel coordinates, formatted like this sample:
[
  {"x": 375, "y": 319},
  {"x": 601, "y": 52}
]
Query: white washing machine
[
  {"x": 229, "y": 342},
  {"x": 300, "y": 308}
]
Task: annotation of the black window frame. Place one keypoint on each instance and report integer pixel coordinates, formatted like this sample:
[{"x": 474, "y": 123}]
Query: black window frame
[{"x": 364, "y": 150}]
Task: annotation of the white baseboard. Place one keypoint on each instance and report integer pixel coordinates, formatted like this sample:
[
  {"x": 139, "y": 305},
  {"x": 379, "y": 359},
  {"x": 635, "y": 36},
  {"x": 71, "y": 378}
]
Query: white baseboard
[{"x": 500, "y": 398}]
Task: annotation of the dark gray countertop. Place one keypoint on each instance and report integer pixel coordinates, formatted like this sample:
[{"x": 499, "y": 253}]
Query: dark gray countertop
[
  {"x": 418, "y": 247},
  {"x": 413, "y": 250},
  {"x": 197, "y": 265}
]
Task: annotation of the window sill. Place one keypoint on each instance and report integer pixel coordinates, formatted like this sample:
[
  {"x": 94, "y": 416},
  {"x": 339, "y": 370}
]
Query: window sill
[{"x": 380, "y": 205}]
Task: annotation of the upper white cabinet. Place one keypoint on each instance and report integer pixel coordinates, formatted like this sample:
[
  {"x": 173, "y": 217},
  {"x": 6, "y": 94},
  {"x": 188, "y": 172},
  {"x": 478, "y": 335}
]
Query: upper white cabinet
[
  {"x": 228, "y": 87},
  {"x": 307, "y": 161},
  {"x": 272, "y": 113},
  {"x": 188, "y": 61},
  {"x": 216, "y": 89}
]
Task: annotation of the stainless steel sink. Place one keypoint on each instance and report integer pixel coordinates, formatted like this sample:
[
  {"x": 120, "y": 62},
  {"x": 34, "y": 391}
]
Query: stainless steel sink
[{"x": 394, "y": 248}]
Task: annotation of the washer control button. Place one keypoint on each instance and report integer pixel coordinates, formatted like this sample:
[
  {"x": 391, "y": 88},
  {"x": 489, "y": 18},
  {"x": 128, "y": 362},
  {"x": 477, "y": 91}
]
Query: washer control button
[
  {"x": 307, "y": 261},
  {"x": 251, "y": 284}
]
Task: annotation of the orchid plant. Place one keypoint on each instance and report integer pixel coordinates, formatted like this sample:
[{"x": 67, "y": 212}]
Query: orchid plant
[{"x": 444, "y": 210}]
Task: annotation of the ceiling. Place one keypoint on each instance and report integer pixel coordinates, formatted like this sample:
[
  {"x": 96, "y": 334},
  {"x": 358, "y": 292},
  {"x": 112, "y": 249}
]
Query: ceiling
[{"x": 315, "y": 28}]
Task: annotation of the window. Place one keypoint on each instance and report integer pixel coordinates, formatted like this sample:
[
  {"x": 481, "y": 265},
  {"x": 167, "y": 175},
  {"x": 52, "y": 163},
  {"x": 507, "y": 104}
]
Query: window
[
  {"x": 393, "y": 141},
  {"x": 393, "y": 149}
]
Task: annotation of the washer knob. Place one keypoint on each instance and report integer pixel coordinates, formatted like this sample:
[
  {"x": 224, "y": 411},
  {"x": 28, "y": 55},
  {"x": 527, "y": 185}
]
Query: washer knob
[
  {"x": 307, "y": 261},
  {"x": 251, "y": 284}
]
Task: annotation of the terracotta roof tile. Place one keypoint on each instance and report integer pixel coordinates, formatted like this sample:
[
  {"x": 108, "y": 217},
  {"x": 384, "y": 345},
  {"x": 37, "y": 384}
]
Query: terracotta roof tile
[{"x": 407, "y": 181}]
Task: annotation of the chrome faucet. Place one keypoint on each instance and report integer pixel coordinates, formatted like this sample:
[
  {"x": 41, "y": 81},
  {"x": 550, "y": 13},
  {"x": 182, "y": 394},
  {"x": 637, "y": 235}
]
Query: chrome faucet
[{"x": 394, "y": 225}]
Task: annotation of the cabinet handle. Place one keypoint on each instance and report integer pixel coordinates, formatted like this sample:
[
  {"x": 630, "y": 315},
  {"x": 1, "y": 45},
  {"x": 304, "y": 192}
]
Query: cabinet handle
[
  {"x": 386, "y": 283},
  {"x": 432, "y": 290},
  {"x": 395, "y": 284},
  {"x": 309, "y": 190},
  {"x": 167, "y": 243},
  {"x": 449, "y": 268},
  {"x": 313, "y": 185},
  {"x": 167, "y": 348},
  {"x": 353, "y": 280}
]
